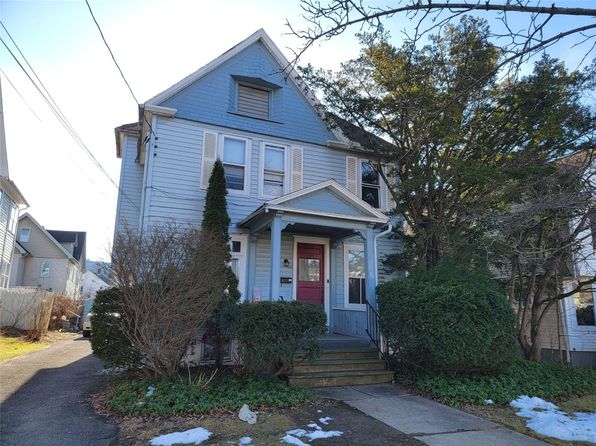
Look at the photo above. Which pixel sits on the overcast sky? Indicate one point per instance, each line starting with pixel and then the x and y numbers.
pixel 156 43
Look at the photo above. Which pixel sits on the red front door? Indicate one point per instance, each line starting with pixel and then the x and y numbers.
pixel 311 281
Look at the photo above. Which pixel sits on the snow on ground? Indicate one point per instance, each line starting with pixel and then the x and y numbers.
pixel 245 441
pixel 294 436
pixel 191 436
pixel 546 419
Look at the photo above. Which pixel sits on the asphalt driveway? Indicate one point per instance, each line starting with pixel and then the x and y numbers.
pixel 44 398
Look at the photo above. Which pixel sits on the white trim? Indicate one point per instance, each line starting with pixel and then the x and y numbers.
pixel 290 72
pixel 247 159
pixel 261 174
pixel 162 111
pixel 242 262
pixel 347 304
pixel 327 268
pixel 325 214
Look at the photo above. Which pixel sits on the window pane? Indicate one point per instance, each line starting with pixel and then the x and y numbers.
pixel 234 177
pixel 236 246
pixel 45 269
pixel 355 263
pixel 274 159
pixel 354 291
pixel 234 151
pixel 369 174
pixel 310 270
pixel 371 195
pixel 273 189
pixel 584 308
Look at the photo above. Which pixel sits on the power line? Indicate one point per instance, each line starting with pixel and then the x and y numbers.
pixel 117 65
pixel 20 95
pixel 62 118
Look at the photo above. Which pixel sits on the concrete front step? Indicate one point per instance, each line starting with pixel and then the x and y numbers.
pixel 339 365
pixel 349 354
pixel 344 378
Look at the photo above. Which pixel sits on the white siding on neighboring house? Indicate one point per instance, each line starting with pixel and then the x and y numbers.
pixel 131 187
pixel 8 216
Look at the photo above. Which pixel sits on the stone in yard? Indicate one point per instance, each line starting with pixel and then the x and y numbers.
pixel 247 415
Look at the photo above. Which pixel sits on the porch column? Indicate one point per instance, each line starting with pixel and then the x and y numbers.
pixel 332 281
pixel 276 228
pixel 370 266
pixel 252 265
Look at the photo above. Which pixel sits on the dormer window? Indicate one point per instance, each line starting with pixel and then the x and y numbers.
pixel 253 101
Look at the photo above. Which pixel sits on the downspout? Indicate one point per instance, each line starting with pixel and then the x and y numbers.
pixel 380 234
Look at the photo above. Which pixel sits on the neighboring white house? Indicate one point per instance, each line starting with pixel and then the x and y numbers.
pixel 569 331
pixel 11 202
pixel 90 285
pixel 49 259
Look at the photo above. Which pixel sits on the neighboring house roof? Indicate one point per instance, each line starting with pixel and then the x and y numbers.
pixel 77 238
pixel 8 186
pixel 365 139
pixel 21 249
pixel 49 237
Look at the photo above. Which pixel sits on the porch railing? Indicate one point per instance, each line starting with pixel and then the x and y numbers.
pixel 374 331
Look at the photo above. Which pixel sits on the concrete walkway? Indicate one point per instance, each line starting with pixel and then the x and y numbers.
pixel 428 421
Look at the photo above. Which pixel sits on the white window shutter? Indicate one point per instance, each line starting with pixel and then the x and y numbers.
pixel 209 157
pixel 352 174
pixel 297 168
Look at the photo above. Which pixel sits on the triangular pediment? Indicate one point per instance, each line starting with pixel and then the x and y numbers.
pixel 328 198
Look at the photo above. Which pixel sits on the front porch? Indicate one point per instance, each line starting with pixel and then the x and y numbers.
pixel 316 245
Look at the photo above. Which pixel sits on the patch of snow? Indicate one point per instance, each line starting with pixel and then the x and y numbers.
pixel 546 419
pixel 191 436
pixel 297 432
pixel 325 420
pixel 489 402
pixel 319 411
pixel 315 435
pixel 150 391
pixel 290 439
pixel 245 441
pixel 314 426
pixel 247 415
pixel 112 371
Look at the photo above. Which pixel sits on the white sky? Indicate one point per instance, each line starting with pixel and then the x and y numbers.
pixel 156 43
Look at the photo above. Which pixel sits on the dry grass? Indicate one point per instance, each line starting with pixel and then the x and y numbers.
pixel 14 343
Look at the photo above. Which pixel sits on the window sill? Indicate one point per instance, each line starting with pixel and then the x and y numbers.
pixel 244 115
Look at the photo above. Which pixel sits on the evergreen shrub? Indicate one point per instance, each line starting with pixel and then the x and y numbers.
pixel 108 341
pixel 271 335
pixel 449 320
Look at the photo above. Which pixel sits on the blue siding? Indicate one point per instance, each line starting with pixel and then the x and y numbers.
pixel 325 201
pixel 211 100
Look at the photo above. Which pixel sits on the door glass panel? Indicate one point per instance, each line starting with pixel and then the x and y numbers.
pixel 309 270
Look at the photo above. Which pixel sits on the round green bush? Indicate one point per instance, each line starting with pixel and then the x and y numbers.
pixel 448 320
pixel 271 335
pixel 108 342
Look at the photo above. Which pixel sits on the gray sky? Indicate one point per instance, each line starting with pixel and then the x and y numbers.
pixel 156 43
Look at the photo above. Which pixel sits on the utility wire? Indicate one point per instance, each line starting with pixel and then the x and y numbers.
pixel 62 119
pixel 20 95
pixel 117 65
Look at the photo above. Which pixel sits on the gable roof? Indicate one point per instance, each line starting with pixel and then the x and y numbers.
pixel 49 236
pixel 77 238
pixel 284 203
pixel 258 36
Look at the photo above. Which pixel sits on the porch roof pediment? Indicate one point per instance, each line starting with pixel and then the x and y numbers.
pixel 327 199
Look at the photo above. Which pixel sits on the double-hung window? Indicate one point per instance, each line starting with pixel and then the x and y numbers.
pixel 370 184
pixel 274 170
pixel 584 308
pixel 45 269
pixel 355 274
pixel 234 162
pixel 24 235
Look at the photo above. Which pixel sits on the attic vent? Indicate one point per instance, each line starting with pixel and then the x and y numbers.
pixel 253 101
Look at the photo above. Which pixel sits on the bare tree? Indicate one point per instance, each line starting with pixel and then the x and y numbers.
pixel 325 20
pixel 547 235
pixel 169 288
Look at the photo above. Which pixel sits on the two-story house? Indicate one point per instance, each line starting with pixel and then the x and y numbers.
pixel 49 259
pixel 11 202
pixel 309 210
